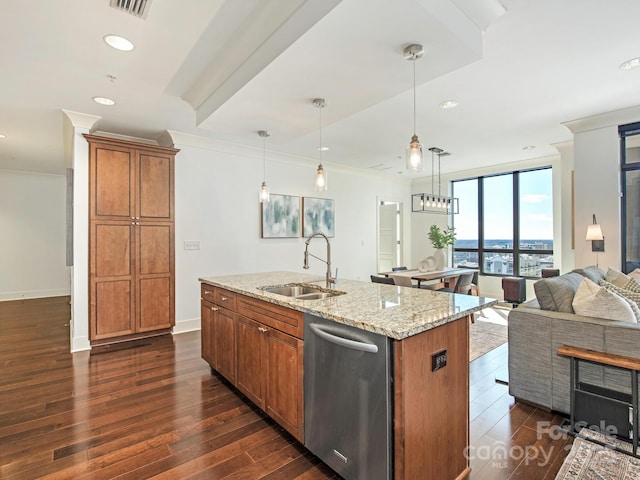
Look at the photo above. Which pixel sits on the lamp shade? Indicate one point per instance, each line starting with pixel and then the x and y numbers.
pixel 594 232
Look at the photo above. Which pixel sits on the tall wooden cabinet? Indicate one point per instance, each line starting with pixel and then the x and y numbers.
pixel 131 239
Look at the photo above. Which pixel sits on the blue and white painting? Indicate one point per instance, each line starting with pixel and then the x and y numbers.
pixel 281 217
pixel 319 216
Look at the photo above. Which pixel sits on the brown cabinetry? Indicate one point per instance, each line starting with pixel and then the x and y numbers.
pixel 258 347
pixel 218 330
pixel 131 239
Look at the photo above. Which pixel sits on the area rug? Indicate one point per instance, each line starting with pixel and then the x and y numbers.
pixel 590 461
pixel 488 332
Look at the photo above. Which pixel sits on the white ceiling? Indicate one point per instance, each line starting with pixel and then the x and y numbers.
pixel 228 68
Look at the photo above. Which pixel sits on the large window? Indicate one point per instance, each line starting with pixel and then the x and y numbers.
pixel 630 173
pixel 505 224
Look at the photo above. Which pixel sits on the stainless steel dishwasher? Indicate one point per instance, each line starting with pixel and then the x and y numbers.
pixel 347 407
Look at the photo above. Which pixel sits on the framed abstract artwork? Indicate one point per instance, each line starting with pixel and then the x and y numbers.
pixel 318 216
pixel 281 217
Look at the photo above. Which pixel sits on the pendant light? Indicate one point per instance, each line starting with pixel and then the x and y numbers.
pixel 264 189
pixel 321 174
pixel 414 150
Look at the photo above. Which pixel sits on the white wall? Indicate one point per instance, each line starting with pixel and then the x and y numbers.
pixel 32 244
pixel 596 147
pixel 217 204
pixel 597 191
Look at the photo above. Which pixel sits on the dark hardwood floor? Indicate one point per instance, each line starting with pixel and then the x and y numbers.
pixel 151 408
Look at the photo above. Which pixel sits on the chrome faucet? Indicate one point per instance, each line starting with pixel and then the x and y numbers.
pixel 330 280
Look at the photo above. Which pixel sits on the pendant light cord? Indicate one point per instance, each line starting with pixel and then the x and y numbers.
pixel 320 130
pixel 264 158
pixel 414 95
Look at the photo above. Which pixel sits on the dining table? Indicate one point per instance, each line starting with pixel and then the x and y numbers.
pixel 450 273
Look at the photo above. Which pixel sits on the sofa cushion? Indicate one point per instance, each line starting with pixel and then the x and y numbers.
pixel 556 293
pixel 592 300
pixel 593 273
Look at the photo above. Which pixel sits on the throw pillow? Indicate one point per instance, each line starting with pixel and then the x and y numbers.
pixel 635 274
pixel 633 298
pixel 623 292
pixel 593 273
pixel 556 293
pixel 619 279
pixel 592 300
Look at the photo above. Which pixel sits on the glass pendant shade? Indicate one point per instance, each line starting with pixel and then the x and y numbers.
pixel 264 193
pixel 414 155
pixel 321 179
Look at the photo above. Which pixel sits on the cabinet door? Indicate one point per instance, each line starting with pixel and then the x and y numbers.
pixel 284 399
pixel 224 327
pixel 111 286
pixel 155 193
pixel 206 332
pixel 111 173
pixel 252 360
pixel 155 265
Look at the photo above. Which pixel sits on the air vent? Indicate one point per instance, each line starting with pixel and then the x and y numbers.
pixel 138 8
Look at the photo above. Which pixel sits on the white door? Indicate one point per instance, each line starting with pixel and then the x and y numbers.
pixel 388 231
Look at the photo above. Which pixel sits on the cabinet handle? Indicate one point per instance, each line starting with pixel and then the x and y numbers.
pixel 208 292
pixel 215 309
pixel 224 299
pixel 262 329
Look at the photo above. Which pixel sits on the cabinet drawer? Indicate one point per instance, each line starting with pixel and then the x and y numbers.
pixel 225 298
pixel 281 318
pixel 207 292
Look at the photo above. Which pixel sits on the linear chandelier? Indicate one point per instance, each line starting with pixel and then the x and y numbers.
pixel 435 202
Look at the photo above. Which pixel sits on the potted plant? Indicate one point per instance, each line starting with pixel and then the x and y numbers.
pixel 441 239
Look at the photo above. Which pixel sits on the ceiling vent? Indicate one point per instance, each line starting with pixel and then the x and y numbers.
pixel 138 8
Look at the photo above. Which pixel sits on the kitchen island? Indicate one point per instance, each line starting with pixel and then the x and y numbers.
pixel 255 339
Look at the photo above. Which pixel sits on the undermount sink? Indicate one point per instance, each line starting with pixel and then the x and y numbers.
pixel 302 292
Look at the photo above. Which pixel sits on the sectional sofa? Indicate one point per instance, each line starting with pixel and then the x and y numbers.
pixel 537 375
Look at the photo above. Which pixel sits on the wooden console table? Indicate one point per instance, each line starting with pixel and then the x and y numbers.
pixel 584 393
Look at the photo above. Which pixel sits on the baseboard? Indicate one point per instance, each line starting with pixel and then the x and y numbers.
pixel 80 344
pixel 61 292
pixel 183 326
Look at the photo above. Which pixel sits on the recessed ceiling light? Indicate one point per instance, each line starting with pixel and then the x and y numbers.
pixel 2 136
pixel 630 64
pixel 529 147
pixel 449 104
pixel 104 101
pixel 119 43
pixel 323 149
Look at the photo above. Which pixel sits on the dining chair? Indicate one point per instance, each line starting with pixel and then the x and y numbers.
pixel 475 288
pixel 464 283
pixel 387 280
pixel 402 280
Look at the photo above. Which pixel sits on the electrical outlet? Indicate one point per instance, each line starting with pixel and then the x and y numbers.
pixel 192 245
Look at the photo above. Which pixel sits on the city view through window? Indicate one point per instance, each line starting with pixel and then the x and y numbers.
pixel 505 224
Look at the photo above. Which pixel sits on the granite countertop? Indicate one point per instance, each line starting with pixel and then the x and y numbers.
pixel 393 311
